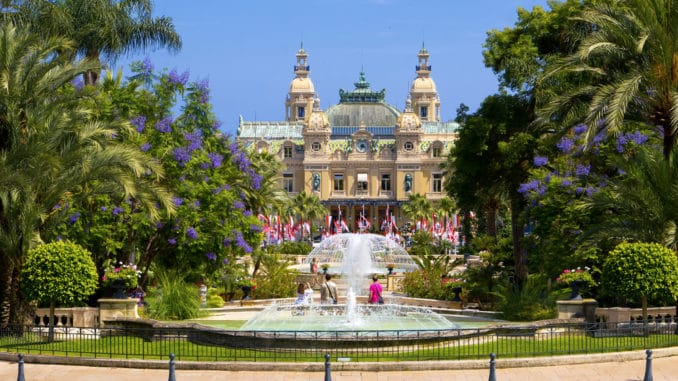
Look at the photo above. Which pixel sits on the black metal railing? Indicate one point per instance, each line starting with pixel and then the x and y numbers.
pixel 198 343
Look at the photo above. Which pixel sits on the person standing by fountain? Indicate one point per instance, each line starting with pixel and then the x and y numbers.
pixel 308 294
pixel 375 291
pixel 328 291
pixel 301 297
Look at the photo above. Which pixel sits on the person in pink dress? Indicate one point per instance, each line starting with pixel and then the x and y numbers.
pixel 375 292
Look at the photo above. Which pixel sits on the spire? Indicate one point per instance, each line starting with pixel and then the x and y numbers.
pixel 423 68
pixel 302 68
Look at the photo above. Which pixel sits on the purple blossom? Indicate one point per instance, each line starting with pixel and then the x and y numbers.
pixel 256 181
pixel 103 208
pixel 255 228
pixel 580 129
pixel 565 144
pixel 147 67
pixel 73 218
pixel 211 256
pixel 637 137
pixel 239 205
pixel 529 186
pixel 217 124
pixel 139 122
pixel 540 161
pixel 196 203
pixel 191 233
pixel 164 125
pixel 599 138
pixel 202 88
pixel 204 165
pixel 216 159
pixel 172 241
pixel 247 213
pixel 226 241
pixel 159 225
pixel 182 155
pixel 566 183
pixel 226 261
pixel 241 243
pixel 145 147
pixel 179 79
pixel 178 201
pixel 579 190
pixel 194 140
pixel 117 210
pixel 621 143
pixel 582 170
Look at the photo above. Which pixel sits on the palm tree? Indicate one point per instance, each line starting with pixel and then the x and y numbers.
pixel 642 204
pixel 309 208
pixel 108 28
pixel 54 150
pixel 417 207
pixel 630 64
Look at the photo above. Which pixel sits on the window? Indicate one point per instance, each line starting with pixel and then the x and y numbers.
pixel 437 182
pixel 338 182
pixel 408 146
pixel 288 182
pixel 437 151
pixel 300 112
pixel 386 182
pixel 287 152
pixel 423 111
pixel 315 146
pixel 362 182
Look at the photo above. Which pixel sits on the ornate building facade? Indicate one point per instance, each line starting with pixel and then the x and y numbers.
pixel 362 157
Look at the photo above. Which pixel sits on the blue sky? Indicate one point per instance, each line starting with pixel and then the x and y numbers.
pixel 246 49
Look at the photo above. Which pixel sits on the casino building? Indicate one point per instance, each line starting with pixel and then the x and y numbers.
pixel 361 156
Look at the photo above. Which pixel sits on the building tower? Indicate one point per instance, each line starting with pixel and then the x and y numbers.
pixel 425 99
pixel 299 102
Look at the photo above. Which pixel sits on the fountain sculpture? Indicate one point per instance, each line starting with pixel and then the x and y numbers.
pixel 355 257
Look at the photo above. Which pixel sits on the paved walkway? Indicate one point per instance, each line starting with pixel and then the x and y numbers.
pixel 663 368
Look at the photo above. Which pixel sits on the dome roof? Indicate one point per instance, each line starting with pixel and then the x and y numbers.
pixel 423 84
pixel 356 114
pixel 301 85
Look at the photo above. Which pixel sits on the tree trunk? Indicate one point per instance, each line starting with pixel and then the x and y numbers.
pixel 517 233
pixel 6 270
pixel 50 335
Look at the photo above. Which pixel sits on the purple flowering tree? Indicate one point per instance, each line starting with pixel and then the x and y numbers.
pixel 560 193
pixel 211 223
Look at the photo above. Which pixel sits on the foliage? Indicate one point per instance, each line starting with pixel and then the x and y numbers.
pixel 60 273
pixel 213 298
pixel 211 180
pixel 431 281
pixel 128 274
pixel 532 301
pixel 291 247
pixel 276 279
pixel 636 270
pixel 172 298
pixel 627 60
pixel 570 275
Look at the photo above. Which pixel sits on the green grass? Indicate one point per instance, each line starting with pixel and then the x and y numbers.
pixel 127 347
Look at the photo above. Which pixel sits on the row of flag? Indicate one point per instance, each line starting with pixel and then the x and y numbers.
pixel 277 230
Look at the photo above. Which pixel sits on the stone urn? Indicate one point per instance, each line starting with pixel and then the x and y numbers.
pixel 457 293
pixel 576 286
pixel 246 290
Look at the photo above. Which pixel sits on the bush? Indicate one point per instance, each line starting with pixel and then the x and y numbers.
pixel 275 279
pixel 59 273
pixel 532 301
pixel 289 247
pixel 213 298
pixel 173 298
pixel 634 271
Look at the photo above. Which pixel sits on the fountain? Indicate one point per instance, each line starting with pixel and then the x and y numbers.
pixel 356 256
